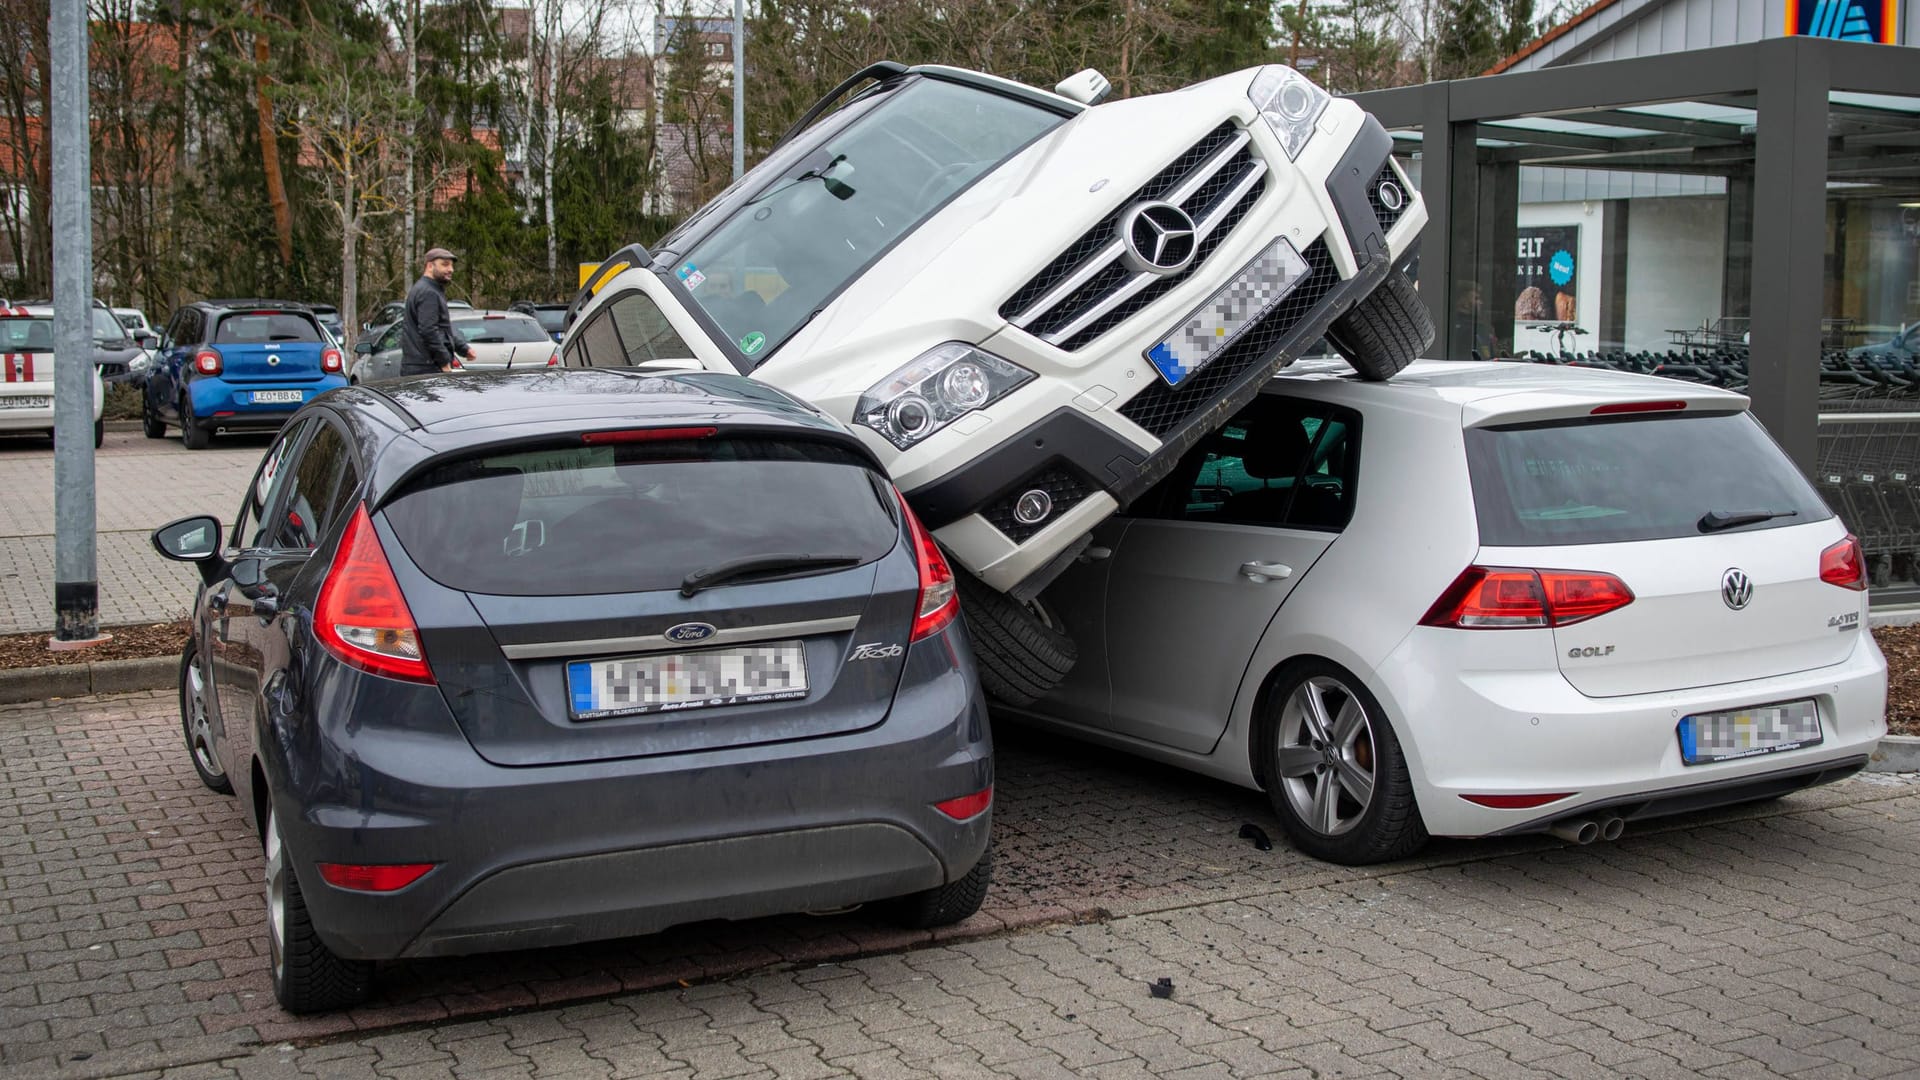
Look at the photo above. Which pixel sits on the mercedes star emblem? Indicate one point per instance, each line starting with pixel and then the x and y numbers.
pixel 1736 588
pixel 1158 238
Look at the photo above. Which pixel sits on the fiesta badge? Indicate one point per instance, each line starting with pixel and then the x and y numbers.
pixel 689 632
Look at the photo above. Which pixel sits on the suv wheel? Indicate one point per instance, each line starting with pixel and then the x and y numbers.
pixel 1334 770
pixel 307 976
pixel 1386 331
pixel 944 905
pixel 192 435
pixel 1021 650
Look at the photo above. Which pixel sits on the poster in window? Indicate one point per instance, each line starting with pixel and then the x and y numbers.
pixel 1844 20
pixel 1547 283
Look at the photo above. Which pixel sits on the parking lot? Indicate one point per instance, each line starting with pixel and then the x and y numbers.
pixel 139 483
pixel 1778 939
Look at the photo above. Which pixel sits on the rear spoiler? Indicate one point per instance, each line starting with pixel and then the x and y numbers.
pixel 627 257
pixel 1548 406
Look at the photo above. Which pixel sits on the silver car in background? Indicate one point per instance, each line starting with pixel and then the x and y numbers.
pixel 501 340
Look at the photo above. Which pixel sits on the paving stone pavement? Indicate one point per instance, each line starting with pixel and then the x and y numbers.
pixel 139 483
pixel 1771 940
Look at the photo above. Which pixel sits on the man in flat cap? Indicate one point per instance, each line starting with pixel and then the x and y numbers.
pixel 428 342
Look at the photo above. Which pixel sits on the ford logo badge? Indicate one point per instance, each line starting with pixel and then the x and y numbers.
pixel 690 631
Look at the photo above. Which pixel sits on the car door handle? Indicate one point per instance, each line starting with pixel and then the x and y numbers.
pixel 1262 572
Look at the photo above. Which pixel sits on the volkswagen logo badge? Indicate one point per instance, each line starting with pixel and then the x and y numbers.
pixel 688 632
pixel 1736 588
pixel 1157 238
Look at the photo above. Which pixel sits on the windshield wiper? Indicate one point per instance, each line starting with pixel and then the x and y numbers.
pixel 1716 520
pixel 776 563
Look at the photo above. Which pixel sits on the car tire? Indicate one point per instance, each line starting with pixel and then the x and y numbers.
pixel 308 977
pixel 194 725
pixel 944 905
pixel 1021 652
pixel 1320 736
pixel 1384 332
pixel 192 435
pixel 152 426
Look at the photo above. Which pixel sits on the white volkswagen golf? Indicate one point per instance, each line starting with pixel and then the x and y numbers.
pixel 1479 599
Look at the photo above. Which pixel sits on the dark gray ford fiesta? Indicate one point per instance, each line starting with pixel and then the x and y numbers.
pixel 513 660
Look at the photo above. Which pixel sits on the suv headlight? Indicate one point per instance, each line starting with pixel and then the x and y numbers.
pixel 940 386
pixel 1290 104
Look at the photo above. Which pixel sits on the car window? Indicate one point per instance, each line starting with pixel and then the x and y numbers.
pixel 191 322
pixel 501 331
pixel 258 327
pixel 315 493
pixel 389 338
pixel 1608 480
pixel 248 531
pixel 629 330
pixel 1278 463
pixel 552 320
pixel 26 334
pixel 106 328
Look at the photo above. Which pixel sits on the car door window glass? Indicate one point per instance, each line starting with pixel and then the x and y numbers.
pixel 1275 464
pixel 248 525
pixel 390 339
pixel 600 343
pixel 313 492
pixel 645 333
pixel 1323 495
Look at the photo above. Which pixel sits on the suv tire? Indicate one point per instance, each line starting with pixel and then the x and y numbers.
pixel 944 905
pixel 192 435
pixel 1022 655
pixel 1386 331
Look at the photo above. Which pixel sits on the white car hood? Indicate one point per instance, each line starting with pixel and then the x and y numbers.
pixel 970 257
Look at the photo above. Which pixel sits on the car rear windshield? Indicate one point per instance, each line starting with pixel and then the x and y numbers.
pixel 501 331
pixel 636 517
pixel 552 320
pixel 26 334
pixel 252 328
pixel 792 247
pixel 1645 478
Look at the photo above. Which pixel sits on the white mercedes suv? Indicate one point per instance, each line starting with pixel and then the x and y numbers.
pixel 1028 303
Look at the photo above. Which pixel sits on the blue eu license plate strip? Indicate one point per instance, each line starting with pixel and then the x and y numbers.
pixel 1229 313
pixel 1740 733
pixel 667 682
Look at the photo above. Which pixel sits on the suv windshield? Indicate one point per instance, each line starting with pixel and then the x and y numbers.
pixel 1606 481
pixel 762 274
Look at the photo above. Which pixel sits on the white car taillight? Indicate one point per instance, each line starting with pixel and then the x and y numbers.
pixel 361 616
pixel 940 386
pixel 1515 598
pixel 1289 103
pixel 1844 564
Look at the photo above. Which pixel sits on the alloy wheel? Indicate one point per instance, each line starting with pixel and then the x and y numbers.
pixel 1325 755
pixel 276 897
pixel 193 692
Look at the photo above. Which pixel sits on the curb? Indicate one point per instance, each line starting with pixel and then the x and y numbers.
pixel 122 425
pixel 79 680
pixel 1896 753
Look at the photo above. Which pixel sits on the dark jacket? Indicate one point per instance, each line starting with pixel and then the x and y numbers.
pixel 428 341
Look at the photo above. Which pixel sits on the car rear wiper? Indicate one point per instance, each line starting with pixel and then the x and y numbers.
pixel 1716 520
pixel 777 563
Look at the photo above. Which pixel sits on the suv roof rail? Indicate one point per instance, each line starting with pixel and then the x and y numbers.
pixel 879 71
pixel 631 255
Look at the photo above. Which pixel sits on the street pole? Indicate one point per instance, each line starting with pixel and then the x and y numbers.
pixel 739 88
pixel 76 587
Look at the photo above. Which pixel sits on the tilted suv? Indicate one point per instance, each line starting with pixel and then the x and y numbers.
pixel 1030 306
pixel 463 720
pixel 237 365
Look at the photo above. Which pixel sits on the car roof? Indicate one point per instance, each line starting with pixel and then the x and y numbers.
pixel 417 420
pixel 1483 390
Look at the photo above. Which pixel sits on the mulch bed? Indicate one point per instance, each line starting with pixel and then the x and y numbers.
pixel 1900 643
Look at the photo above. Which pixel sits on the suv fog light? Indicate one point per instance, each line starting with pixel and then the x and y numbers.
pixel 1033 507
pixel 1391 196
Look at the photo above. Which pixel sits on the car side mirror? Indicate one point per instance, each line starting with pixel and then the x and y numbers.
pixel 363 348
pixel 194 540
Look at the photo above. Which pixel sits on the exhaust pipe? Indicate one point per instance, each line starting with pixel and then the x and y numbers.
pixel 1611 828
pixel 1581 831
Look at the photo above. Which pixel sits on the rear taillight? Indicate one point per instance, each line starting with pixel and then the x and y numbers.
pixel 1844 564
pixel 1509 598
pixel 207 362
pixel 330 361
pixel 361 617
pixel 638 435
pixel 554 360
pixel 1517 802
pixel 967 806
pixel 390 877
pixel 939 595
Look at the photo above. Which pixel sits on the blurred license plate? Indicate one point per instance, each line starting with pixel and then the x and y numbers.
pixel 36 402
pixel 278 397
pixel 1227 314
pixel 1763 729
pixel 769 671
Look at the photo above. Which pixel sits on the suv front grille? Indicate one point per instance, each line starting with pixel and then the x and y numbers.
pixel 1162 409
pixel 1065 487
pixel 1089 289
pixel 1385 215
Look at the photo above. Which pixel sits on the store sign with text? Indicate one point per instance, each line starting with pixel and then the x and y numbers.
pixel 1546 284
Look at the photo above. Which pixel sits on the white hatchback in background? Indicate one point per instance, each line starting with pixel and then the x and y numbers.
pixel 26 374
pixel 1479 599
pixel 501 340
